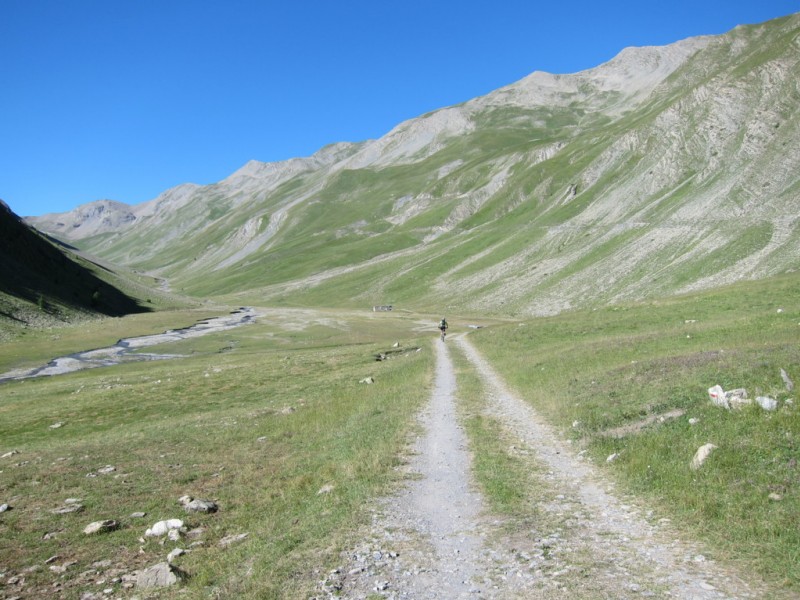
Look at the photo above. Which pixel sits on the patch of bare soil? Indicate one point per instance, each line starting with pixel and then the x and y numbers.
pixel 436 539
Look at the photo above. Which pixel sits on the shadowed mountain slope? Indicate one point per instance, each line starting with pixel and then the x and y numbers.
pixel 40 281
pixel 667 169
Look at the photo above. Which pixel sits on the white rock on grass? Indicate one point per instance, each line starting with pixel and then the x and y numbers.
pixel 164 527
pixel 612 457
pixel 767 403
pixel 702 454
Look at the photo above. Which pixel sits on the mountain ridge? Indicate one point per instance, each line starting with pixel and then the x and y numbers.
pixel 666 169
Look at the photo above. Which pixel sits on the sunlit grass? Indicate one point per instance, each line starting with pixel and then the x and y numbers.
pixel 599 376
pixel 260 429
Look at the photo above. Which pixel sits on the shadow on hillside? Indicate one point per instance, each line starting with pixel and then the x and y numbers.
pixel 34 270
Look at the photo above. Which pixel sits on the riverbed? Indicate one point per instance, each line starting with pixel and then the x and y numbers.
pixel 128 349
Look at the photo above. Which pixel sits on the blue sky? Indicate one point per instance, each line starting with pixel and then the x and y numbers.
pixel 124 99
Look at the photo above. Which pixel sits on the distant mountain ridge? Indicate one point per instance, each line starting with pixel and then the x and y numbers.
pixel 664 170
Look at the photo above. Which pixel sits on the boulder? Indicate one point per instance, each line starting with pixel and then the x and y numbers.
pixel 163 527
pixel 160 575
pixel 101 527
pixel 198 505
pixel 703 452
pixel 68 509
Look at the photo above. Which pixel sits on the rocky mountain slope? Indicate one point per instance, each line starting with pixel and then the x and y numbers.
pixel 665 170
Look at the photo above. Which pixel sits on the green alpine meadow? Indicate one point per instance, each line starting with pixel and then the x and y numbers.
pixel 615 242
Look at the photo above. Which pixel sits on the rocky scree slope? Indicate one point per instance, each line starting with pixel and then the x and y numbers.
pixel 665 170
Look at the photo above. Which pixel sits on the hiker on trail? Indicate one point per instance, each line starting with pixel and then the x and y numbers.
pixel 443 326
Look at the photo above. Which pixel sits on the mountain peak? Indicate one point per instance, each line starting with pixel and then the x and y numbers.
pixel 634 72
pixel 100 216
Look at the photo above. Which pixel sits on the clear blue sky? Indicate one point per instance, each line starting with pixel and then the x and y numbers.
pixel 123 99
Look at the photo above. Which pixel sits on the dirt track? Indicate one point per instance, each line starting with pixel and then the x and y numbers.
pixel 435 539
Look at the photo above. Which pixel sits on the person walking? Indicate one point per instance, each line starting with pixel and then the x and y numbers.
pixel 443 327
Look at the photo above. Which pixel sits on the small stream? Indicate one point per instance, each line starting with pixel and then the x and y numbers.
pixel 127 349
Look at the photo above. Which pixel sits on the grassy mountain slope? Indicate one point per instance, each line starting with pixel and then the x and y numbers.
pixel 664 170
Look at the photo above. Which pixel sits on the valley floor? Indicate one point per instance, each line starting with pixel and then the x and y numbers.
pixel 438 539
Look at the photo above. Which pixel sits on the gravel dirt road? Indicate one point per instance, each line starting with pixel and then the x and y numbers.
pixel 436 539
